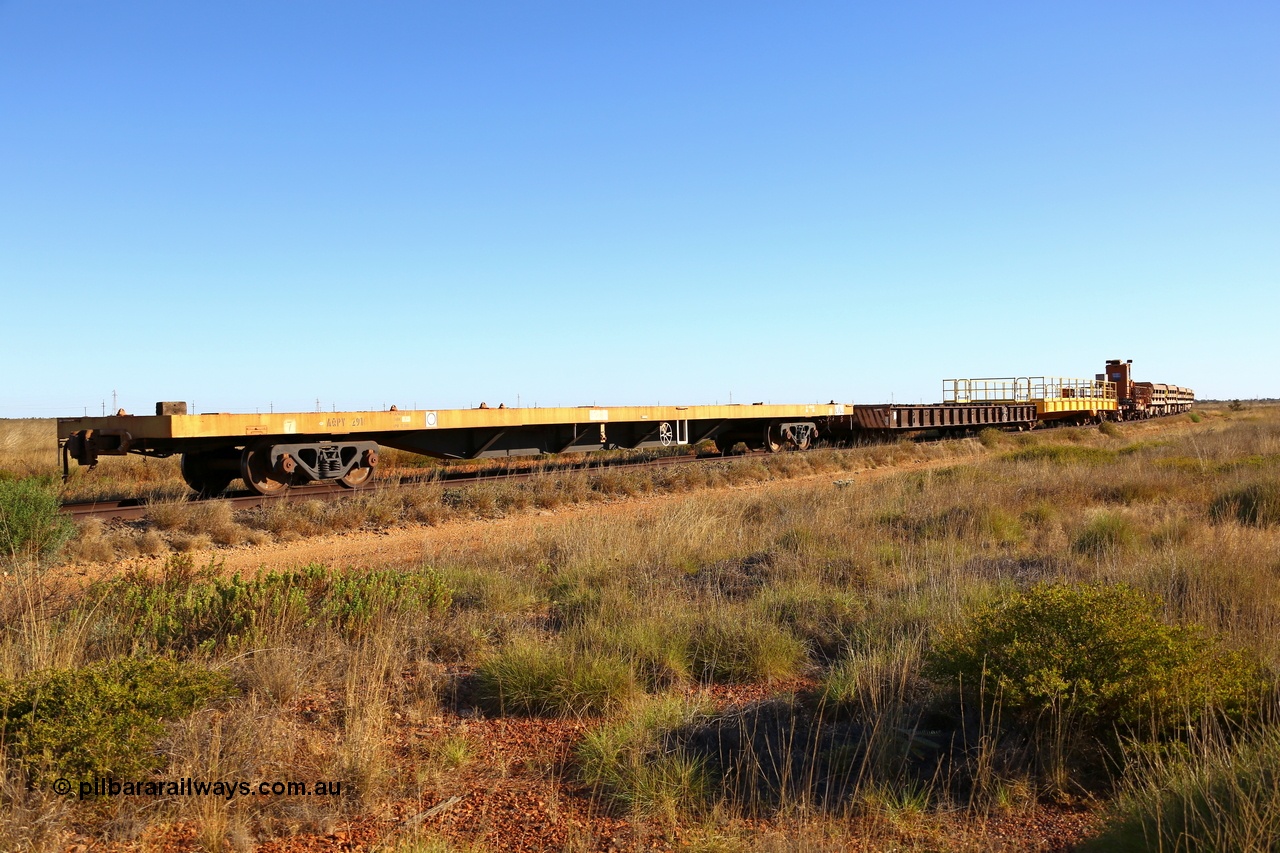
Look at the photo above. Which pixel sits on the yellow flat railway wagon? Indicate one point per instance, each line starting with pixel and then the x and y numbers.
pixel 272 452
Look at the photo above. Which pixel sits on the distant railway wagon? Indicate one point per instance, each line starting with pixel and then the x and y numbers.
pixel 1145 399
pixel 272 452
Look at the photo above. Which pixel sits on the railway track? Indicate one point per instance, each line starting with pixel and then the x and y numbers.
pixel 132 509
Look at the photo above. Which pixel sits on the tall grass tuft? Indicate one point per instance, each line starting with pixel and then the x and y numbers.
pixel 728 647
pixel 1223 794
pixel 1108 533
pixel 539 678
pixel 629 764
pixel 1257 504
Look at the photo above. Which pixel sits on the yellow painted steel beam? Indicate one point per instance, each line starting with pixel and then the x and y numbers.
pixel 142 427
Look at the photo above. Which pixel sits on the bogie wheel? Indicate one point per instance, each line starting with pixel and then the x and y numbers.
pixel 772 439
pixel 805 440
pixel 357 478
pixel 665 434
pixel 199 474
pixel 362 475
pixel 257 472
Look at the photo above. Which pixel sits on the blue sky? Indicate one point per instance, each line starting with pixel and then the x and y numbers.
pixel 246 205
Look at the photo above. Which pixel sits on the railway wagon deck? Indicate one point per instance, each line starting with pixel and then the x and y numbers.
pixel 270 452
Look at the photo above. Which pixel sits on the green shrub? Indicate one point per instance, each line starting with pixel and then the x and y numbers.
pixel 100 720
pixel 1257 504
pixel 529 677
pixel 991 438
pixel 1105 534
pixel 1195 417
pixel 184 609
pixel 1110 430
pixel 1095 652
pixel 32 527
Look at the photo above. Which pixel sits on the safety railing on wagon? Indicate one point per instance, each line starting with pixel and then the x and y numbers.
pixel 1025 389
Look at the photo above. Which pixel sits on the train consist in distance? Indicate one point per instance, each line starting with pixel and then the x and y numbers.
pixel 273 452
pixel 1145 399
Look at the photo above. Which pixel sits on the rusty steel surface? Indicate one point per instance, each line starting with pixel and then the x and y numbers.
pixel 1146 399
pixel 943 416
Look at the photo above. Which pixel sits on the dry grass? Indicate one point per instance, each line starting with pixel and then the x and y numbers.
pixel 832 587
pixel 176 524
pixel 29 448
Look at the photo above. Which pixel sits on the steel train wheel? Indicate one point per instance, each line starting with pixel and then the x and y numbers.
pixel 772 439
pixel 357 478
pixel 200 476
pixel 665 434
pixel 258 474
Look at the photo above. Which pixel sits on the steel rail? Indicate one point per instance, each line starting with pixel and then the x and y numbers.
pixel 132 509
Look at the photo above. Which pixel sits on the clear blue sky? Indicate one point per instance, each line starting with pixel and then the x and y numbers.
pixel 253 204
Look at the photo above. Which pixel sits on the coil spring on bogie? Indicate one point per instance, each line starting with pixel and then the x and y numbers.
pixel 329 462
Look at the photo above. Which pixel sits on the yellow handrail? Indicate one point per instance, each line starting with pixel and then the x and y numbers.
pixel 1025 388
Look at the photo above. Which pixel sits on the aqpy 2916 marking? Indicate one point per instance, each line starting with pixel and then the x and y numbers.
pixel 335 424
